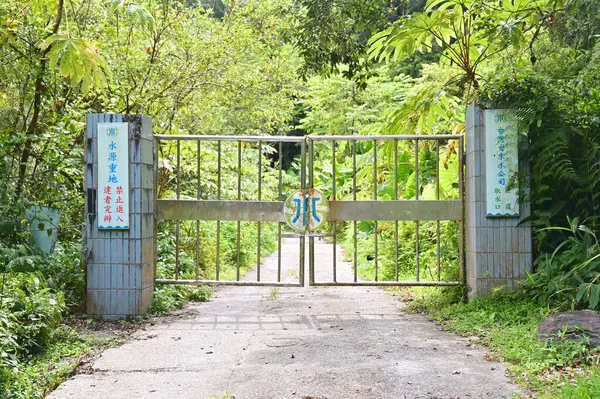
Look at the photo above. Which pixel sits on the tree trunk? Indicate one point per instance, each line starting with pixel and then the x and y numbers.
pixel 32 128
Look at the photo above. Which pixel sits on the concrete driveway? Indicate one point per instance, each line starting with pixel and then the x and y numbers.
pixel 319 343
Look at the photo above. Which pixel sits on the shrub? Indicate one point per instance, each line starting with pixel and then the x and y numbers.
pixel 29 313
pixel 62 270
pixel 569 276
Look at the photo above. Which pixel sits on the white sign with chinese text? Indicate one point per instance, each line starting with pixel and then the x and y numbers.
pixel 113 176
pixel 501 163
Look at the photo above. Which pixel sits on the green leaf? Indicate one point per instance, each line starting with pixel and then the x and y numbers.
pixel 116 4
pixel 573 224
pixel 77 59
pixel 141 15
pixel 516 36
pixel 432 4
pixel 50 40
pixel 581 291
pixel 366 227
pixel 586 230
pixel 594 296
pixel 66 65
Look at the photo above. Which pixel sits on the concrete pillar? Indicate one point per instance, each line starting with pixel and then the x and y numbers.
pixel 498 250
pixel 120 263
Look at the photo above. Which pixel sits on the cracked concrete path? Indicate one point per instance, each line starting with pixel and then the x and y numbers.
pixel 319 343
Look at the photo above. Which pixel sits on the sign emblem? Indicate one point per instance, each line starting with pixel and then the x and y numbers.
pixel 305 210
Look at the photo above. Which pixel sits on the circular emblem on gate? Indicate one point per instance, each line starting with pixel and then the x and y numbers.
pixel 305 210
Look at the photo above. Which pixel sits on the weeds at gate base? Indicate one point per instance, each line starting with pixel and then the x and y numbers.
pixel 293 273
pixel 228 395
pixel 171 297
pixel 274 292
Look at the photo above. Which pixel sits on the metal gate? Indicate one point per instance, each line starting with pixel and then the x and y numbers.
pixel 209 195
pixel 352 210
pixel 243 157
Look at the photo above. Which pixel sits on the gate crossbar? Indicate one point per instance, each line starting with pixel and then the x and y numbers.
pixel 347 211
pixel 232 210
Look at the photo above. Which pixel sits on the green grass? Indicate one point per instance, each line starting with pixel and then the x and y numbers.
pixel 584 388
pixel 42 373
pixel 273 293
pixel 506 324
pixel 228 395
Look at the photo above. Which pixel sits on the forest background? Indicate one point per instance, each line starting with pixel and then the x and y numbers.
pixel 279 67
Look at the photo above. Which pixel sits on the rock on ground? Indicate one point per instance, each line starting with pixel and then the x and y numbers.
pixel 575 325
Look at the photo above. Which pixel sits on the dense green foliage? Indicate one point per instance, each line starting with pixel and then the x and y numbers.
pixel 36 292
pixel 539 61
pixel 568 278
pixel 332 36
pixel 335 107
pixel 29 316
pixel 341 67
pixel 41 374
pixel 192 70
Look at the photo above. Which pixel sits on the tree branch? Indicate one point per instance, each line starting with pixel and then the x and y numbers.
pixel 32 129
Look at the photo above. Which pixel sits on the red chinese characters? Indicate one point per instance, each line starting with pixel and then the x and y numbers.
pixel 113 194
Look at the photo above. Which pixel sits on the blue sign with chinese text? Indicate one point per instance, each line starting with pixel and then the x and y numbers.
pixel 501 163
